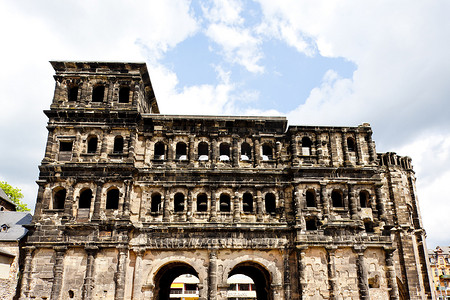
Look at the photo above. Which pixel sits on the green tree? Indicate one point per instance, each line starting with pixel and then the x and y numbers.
pixel 15 195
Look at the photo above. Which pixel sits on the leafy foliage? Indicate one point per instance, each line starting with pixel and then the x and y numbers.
pixel 15 194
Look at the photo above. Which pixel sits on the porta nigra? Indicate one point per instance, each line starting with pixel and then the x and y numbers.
pixel 129 199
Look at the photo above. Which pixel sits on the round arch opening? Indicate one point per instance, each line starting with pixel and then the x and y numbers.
pixel 260 276
pixel 165 277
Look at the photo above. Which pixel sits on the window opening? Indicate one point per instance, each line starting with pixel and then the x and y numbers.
pixel 311 224
pixel 246 151
pixel 124 94
pixel 65 146
pixel 118 144
pixel 267 152
pixel 112 199
pixel 92 144
pixel 202 202
pixel 270 203
pixel 351 144
pixel 336 197
pixel 73 93
pixel 156 203
pixel 59 198
pixel 85 199
pixel 179 202
pixel 203 151
pixel 224 152
pixel 368 226
pixel 310 199
pixel 306 146
pixel 98 93
pixel 159 150
pixel 181 151
pixel 224 203
pixel 364 199
pixel 247 203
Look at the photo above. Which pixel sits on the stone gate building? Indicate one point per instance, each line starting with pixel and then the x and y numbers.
pixel 129 199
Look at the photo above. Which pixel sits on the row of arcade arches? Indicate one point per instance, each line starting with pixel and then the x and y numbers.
pixel 259 277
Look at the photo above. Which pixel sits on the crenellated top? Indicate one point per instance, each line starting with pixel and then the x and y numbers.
pixel 391 159
pixel 103 85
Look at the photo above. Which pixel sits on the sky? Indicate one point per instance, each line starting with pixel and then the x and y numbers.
pixel 316 62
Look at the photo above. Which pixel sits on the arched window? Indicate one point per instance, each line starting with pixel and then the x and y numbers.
pixel 224 152
pixel 85 199
pixel 178 202
pixel 118 144
pixel 246 151
pixel 59 198
pixel 364 199
pixel 202 202
pixel 270 203
pixel 156 203
pixel 73 93
pixel 98 93
pixel 337 198
pixel 112 199
pixel 224 203
pixel 306 146
pixel 159 150
pixel 124 94
pixel 247 203
pixel 92 144
pixel 267 152
pixel 310 198
pixel 203 152
pixel 351 144
pixel 181 151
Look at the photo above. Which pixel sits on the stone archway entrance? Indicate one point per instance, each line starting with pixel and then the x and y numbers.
pixel 260 276
pixel 165 276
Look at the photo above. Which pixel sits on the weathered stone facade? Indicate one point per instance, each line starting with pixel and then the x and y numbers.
pixel 129 199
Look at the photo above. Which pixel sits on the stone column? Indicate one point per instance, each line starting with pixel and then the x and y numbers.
pixel 166 206
pixel 68 203
pixel 213 208
pixel 104 147
pixel 380 203
pixel 49 147
pixel 58 268
pixel 352 202
pixel 88 283
pixel 301 271
pixel 333 289
pixel 278 148
pixel 390 274
pixel 359 160
pixel 363 283
pixel 214 152
pixel 120 274
pixel 287 274
pixel 345 150
pixel 39 200
pixel 212 275
pixel 97 201
pixel 138 275
pixel 132 147
pixel 282 205
pixel 294 150
pixel 259 206
pixel 371 147
pixel 190 207
pixel 298 205
pixel 332 151
pixel 257 151
pixel 127 199
pixel 235 152
pixel 191 154
pixel 236 208
pixel 324 200
pixel 26 278
pixel 170 150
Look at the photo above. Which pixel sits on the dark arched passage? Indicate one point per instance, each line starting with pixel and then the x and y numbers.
pixel 260 276
pixel 165 276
